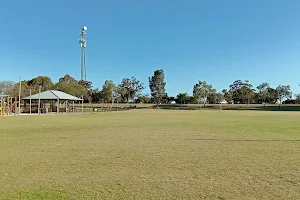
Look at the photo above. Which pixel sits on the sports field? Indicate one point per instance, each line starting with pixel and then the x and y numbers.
pixel 151 154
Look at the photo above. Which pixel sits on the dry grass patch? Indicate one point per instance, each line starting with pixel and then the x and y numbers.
pixel 151 154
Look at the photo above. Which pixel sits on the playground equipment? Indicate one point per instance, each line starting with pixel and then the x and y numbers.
pixel 6 105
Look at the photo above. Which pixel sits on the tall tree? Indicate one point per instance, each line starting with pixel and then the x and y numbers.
pixel 171 98
pixel 14 91
pixel 219 99
pixel 165 98
pixel 283 91
pixel 241 91
pixel 263 91
pixel 95 95
pixel 202 90
pixel 44 81
pixel 86 84
pixel 6 86
pixel 135 88
pixel 107 90
pixel 71 88
pixel 123 89
pixel 191 100
pixel 143 98
pixel 122 92
pixel 182 98
pixel 68 79
pixel 212 97
pixel 70 85
pixel 130 88
pixel 157 85
pixel 90 95
pixel 246 93
pixel 271 95
pixel 297 100
pixel 227 95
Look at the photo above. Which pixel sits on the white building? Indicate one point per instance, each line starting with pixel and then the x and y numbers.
pixel 202 100
pixel 172 102
pixel 223 102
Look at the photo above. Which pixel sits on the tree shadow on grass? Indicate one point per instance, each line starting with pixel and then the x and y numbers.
pixel 186 107
pixel 265 108
pixel 243 140
pixel 175 107
pixel 227 107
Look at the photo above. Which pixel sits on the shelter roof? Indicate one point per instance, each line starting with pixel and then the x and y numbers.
pixel 52 95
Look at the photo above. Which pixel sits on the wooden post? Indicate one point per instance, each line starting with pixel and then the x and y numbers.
pixel 1 107
pixel 112 99
pixel 73 107
pixel 82 105
pixel 15 105
pixel 30 101
pixel 11 105
pixel 19 110
pixel 66 106
pixel 39 106
pixel 58 106
pixel 8 105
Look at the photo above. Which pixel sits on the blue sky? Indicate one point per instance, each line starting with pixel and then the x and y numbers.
pixel 214 40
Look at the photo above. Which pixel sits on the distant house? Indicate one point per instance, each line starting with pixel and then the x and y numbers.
pixel 172 102
pixel 202 100
pixel 223 102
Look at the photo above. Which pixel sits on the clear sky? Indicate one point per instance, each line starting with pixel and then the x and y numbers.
pixel 214 40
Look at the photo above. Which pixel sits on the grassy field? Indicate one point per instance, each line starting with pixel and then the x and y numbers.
pixel 258 107
pixel 151 154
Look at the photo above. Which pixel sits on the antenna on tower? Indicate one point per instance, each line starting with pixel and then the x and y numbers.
pixel 82 42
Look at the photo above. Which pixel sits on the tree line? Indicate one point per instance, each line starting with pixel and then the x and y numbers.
pixel 131 90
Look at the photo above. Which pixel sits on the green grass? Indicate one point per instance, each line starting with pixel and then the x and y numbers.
pixel 151 154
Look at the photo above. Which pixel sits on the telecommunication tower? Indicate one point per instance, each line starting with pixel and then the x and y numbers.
pixel 82 42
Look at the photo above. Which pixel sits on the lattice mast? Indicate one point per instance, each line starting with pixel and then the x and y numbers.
pixel 82 42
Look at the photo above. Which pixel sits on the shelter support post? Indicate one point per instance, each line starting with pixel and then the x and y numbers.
pixel 10 105
pixel 82 105
pixel 39 106
pixel 15 105
pixel 1 107
pixel 57 106
pixel 30 101
pixel 65 105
